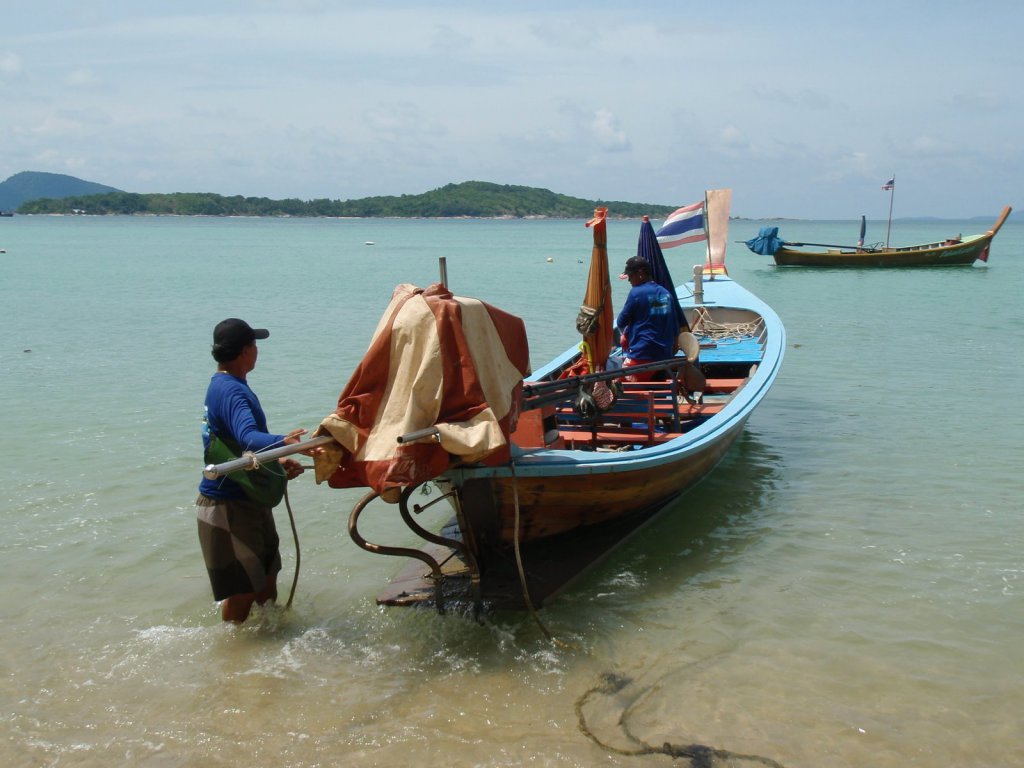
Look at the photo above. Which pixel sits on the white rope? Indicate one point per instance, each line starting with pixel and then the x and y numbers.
pixel 706 327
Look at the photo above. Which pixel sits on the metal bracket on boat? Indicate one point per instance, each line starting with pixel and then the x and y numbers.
pixel 436 573
pixel 380 549
pixel 454 544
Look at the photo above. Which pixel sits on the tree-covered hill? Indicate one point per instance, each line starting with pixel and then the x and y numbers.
pixel 468 199
pixel 33 185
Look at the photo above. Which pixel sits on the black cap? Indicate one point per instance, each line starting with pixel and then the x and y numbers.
pixel 634 264
pixel 231 336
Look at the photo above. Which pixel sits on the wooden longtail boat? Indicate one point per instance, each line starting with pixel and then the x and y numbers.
pixel 544 473
pixel 577 486
pixel 575 474
pixel 956 251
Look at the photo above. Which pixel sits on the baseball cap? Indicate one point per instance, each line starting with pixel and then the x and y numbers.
pixel 634 264
pixel 231 336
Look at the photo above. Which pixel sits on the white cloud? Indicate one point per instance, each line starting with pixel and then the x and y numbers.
pixel 81 78
pixel 57 126
pixel 10 64
pixel 606 130
pixel 296 98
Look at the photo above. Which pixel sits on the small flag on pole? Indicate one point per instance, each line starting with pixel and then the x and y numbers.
pixel 889 184
pixel 684 225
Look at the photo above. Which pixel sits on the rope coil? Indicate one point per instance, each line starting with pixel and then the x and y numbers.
pixel 720 332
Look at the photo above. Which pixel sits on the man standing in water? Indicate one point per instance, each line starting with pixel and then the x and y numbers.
pixel 646 320
pixel 237 533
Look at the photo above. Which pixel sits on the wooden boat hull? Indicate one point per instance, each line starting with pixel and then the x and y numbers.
pixel 593 513
pixel 958 252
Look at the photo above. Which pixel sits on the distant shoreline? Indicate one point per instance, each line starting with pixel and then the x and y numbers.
pixel 531 217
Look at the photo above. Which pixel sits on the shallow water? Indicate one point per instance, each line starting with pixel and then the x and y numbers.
pixel 844 590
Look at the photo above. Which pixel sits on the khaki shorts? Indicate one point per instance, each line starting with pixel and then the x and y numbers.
pixel 240 545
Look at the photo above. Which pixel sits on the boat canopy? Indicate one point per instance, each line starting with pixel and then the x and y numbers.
pixel 435 361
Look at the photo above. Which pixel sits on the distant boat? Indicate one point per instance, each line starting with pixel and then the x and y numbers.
pixel 954 251
pixel 6 213
pixel 369 242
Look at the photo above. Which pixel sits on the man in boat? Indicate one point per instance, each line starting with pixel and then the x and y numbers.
pixel 236 521
pixel 646 321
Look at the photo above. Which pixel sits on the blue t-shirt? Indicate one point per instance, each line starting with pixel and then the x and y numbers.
pixel 648 322
pixel 233 411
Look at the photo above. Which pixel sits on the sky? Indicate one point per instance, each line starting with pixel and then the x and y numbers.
pixel 804 109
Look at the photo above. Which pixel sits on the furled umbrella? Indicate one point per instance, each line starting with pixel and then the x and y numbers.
pixel 648 249
pixel 597 333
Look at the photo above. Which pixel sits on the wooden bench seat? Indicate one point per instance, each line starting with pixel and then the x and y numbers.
pixel 610 436
pixel 640 411
pixel 715 386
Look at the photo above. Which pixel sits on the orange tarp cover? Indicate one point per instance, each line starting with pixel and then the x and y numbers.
pixel 435 360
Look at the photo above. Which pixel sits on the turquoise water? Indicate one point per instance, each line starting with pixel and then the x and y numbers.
pixel 844 590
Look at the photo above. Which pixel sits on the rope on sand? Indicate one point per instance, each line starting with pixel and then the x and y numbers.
pixel 699 755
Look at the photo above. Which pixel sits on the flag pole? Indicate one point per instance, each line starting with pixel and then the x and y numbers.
pixel 892 194
pixel 707 236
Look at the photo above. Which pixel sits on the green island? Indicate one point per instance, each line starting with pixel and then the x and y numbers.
pixel 470 199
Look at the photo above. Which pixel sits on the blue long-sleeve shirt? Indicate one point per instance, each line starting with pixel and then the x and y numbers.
pixel 648 322
pixel 234 411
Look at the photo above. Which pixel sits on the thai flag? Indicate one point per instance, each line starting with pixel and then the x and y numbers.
pixel 685 225
pixel 889 184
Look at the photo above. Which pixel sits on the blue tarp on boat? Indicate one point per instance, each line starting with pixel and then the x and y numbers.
pixel 767 241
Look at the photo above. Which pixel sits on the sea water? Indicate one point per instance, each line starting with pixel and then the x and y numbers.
pixel 844 590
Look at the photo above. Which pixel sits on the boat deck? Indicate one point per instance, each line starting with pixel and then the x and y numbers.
pixel 649 413
pixel 644 414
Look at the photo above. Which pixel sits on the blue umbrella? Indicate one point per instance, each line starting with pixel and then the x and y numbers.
pixel 648 249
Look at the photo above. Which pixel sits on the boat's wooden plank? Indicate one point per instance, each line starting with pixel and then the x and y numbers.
pixel 719 386
pixel 415 583
pixel 747 350
pixel 712 385
pixel 607 436
pixel 641 412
